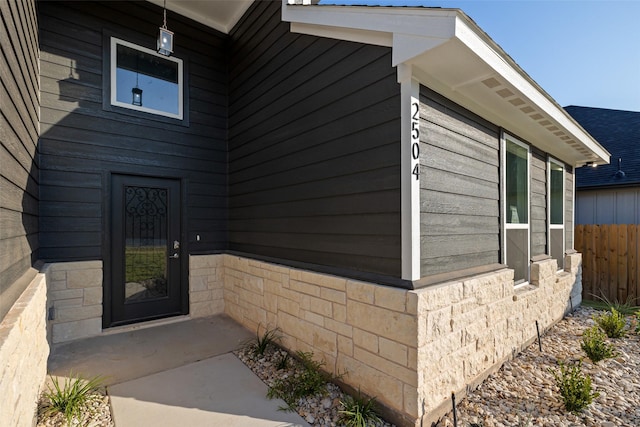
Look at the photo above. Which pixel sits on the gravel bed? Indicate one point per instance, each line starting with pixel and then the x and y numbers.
pixel 318 410
pixel 523 392
pixel 97 415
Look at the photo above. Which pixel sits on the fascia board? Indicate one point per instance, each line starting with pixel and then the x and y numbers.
pixel 438 23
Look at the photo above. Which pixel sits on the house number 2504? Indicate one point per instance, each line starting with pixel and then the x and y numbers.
pixel 415 139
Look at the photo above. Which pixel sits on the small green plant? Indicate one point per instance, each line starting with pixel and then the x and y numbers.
pixel 358 411
pixel 310 380
pixel 613 323
pixel 283 362
pixel 258 346
pixel 627 308
pixel 595 345
pixel 71 398
pixel 575 387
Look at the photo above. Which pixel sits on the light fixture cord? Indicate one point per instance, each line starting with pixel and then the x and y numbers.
pixel 164 22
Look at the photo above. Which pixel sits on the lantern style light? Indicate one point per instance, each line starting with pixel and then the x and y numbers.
pixel 165 37
pixel 136 92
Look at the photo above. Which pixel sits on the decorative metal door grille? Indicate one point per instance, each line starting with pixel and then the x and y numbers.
pixel 145 227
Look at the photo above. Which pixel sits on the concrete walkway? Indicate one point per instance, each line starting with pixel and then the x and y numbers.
pixel 175 374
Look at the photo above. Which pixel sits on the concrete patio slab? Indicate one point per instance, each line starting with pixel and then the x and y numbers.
pixel 132 352
pixel 220 391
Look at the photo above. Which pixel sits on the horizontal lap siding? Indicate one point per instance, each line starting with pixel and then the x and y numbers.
pixel 81 142
pixel 19 104
pixel 313 147
pixel 459 187
pixel 538 202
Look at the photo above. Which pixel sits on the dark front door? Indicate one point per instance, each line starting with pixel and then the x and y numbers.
pixel 145 249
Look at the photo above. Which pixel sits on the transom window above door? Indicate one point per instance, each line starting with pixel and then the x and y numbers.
pixel 144 81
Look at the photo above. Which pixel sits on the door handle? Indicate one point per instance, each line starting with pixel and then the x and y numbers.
pixel 174 256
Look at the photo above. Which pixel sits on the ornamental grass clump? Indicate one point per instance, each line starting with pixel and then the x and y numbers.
pixel 594 343
pixel 613 323
pixel 259 345
pixel 310 380
pixel 72 398
pixel 575 387
pixel 358 411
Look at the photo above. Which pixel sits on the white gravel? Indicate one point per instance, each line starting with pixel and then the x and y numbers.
pixel 523 392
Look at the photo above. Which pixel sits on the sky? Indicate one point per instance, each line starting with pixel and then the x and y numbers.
pixel 582 52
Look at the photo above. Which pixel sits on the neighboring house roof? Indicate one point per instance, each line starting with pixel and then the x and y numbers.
pixel 619 132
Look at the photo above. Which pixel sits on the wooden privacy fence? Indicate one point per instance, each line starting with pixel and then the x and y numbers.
pixel 609 261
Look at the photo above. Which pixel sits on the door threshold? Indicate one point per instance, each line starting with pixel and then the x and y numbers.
pixel 145 325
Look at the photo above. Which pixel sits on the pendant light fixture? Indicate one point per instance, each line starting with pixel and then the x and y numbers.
pixel 165 37
pixel 136 92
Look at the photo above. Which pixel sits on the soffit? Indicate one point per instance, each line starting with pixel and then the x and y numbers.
pixel 221 15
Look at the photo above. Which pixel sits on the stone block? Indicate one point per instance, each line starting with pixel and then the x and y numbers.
pixel 199 296
pixel 438 323
pixel 69 331
pixel 371 381
pixel 314 318
pixel 345 345
pixel 339 313
pixel 393 351
pixel 85 278
pixel 391 298
pixel 323 280
pixel 360 291
pixel 92 296
pixel 411 401
pixel 66 294
pixel 320 306
pixel 304 288
pixel 288 306
pixel 338 327
pixel 387 323
pixel 399 372
pixel 333 295
pixel 60 275
pixel 72 302
pixel 437 297
pixel 542 270
pixel 57 285
pixel 366 340
pixel 72 314
pixel 325 341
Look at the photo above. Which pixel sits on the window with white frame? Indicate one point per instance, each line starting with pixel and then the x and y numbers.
pixel 556 211
pixel 143 80
pixel 516 160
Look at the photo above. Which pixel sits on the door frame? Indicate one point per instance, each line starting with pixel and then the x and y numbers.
pixel 107 179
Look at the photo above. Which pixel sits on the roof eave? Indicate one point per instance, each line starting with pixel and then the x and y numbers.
pixel 450 54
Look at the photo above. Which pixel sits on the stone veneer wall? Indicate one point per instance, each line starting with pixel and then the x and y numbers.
pixel 205 285
pixel 75 296
pixel 408 348
pixel 23 351
pixel 468 328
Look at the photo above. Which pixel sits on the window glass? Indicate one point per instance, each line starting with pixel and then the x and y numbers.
pixel 556 192
pixel 516 185
pixel 145 81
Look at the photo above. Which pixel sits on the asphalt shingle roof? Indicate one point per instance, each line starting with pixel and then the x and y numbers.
pixel 618 132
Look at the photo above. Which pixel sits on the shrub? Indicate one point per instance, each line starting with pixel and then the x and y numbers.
pixel 358 411
pixel 595 345
pixel 71 398
pixel 310 380
pixel 575 387
pixel 612 323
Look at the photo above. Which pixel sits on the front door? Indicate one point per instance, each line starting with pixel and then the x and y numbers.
pixel 145 249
